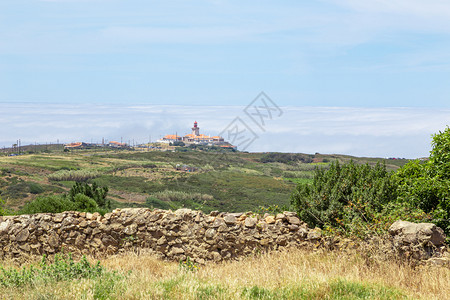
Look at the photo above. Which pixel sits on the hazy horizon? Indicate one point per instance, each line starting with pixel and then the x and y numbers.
pixel 372 132
pixel 365 78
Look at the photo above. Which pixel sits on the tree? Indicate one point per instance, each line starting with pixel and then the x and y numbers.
pixel 98 194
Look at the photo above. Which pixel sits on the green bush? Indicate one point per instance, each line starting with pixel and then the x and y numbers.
pixel 346 197
pixel 426 185
pixel 81 197
pixel 98 194
pixel 48 204
pixel 84 203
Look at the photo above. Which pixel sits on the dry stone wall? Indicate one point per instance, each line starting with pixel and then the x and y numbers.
pixel 171 235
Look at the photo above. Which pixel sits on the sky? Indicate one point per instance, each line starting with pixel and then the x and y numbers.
pixel 337 60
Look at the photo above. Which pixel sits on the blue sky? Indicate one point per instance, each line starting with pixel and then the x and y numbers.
pixel 376 53
pixel 368 78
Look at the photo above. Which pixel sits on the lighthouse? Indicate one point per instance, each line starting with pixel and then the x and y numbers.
pixel 195 129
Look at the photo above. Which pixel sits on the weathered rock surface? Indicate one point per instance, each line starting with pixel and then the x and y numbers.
pixel 173 235
pixel 184 233
pixel 417 240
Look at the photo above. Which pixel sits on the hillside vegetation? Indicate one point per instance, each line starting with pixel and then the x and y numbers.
pixel 231 181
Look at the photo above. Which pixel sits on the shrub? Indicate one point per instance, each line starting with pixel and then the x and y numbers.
pixel 81 197
pixel 345 197
pixel 48 204
pixel 426 185
pixel 84 203
pixel 98 194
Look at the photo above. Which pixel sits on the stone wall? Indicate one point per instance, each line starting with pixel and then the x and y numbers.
pixel 171 235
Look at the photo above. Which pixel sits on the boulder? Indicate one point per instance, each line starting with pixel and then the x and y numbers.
pixel 417 233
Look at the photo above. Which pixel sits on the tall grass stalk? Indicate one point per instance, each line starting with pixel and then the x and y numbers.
pixel 73 175
pixel 294 274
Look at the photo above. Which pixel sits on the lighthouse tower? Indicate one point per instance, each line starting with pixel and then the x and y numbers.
pixel 195 129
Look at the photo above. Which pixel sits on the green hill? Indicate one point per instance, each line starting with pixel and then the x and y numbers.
pixel 206 180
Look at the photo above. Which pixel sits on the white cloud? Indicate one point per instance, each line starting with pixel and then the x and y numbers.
pixel 379 132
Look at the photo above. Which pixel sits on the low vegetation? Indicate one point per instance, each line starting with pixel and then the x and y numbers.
pixel 362 199
pixel 73 175
pixel 81 197
pixel 294 274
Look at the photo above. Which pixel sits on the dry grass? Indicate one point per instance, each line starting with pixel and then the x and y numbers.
pixel 294 274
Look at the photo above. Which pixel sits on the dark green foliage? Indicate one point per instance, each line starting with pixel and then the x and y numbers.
pixel 426 185
pixel 178 143
pixel 48 204
pixel 286 158
pixel 81 197
pixel 98 194
pixel 440 155
pixel 350 192
pixel 84 203
pixel 360 199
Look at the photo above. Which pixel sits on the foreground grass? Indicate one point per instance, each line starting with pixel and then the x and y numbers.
pixel 296 274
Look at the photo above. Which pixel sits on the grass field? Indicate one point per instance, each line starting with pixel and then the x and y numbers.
pixel 294 274
pixel 230 181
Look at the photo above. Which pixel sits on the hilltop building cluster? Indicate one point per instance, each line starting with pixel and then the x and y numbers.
pixel 195 138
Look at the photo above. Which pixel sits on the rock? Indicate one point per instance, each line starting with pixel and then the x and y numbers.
pixel 155 217
pixel 314 234
pixel 53 241
pixel 4 226
pixel 218 222
pixel 294 221
pixel 83 223
pixel 250 222
pixel 131 229
pixel 209 234
pixel 290 214
pixel 177 251
pixel 417 233
pixel 230 219
pixel 162 241
pixel 25 247
pixel 270 219
pixel 237 215
pixel 80 240
pixel 58 218
pixel 23 235
pixel 96 243
pixel 214 213
pixel 281 217
pixel 439 261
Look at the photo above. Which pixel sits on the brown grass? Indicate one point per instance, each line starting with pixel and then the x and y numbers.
pixel 294 274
